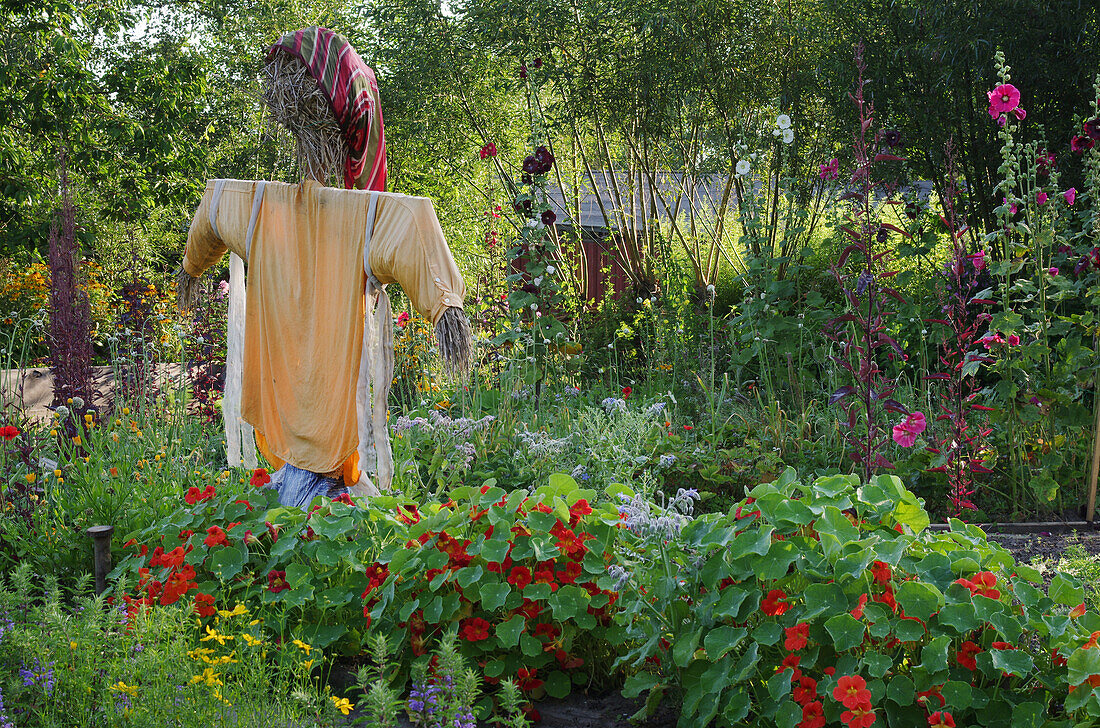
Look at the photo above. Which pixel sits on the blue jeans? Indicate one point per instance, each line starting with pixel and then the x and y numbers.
pixel 299 487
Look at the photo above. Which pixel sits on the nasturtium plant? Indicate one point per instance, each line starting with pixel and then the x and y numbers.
pixel 832 602
pixel 515 573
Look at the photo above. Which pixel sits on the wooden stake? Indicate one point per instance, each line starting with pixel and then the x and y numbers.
pixel 1091 510
pixel 102 536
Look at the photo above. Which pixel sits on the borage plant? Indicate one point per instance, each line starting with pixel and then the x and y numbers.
pixel 862 331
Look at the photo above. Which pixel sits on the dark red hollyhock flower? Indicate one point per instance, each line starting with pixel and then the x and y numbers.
pixel 531 165
pixel 523 207
pixel 1092 128
pixel 548 217
pixel 545 160
pixel 892 137
pixel 1081 144
pixel 523 70
pixel 538 63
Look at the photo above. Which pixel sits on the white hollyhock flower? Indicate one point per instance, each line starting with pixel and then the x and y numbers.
pixel 783 121
pixel 788 136
pixel 743 167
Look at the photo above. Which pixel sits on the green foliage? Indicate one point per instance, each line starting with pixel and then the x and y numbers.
pixel 854 583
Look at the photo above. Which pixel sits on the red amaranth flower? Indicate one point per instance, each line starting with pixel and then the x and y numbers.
pixel 9 432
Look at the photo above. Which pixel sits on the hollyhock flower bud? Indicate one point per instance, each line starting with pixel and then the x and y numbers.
pixel 1041 198
pixel 1070 195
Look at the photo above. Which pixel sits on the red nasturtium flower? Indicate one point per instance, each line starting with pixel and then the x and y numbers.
pixel 805 691
pixel 858 611
pixel 276 581
pixel 215 537
pixel 194 495
pixel 204 605
pixel 941 719
pixel 1078 611
pixel 851 690
pixel 259 478
pixel 881 572
pixel 813 716
pixel 626 392
pixel 526 679
pixel 520 577
pixel 474 629
pixel 966 653
pixel 797 636
pixel 860 716
pixel 773 604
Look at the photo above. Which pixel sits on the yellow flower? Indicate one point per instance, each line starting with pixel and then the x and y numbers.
pixel 212 634
pixel 307 664
pixel 218 694
pixel 72 645
pixel 57 473
pixel 30 477
pixel 237 611
pixel 223 660
pixel 250 640
pixel 303 646
pixel 254 622
pixel 209 677
pixel 342 704
pixel 125 410
pixel 121 687
pixel 199 653
pixel 76 440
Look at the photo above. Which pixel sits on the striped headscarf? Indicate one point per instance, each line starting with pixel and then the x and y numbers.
pixel 352 91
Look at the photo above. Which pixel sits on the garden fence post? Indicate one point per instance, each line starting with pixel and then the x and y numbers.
pixel 102 537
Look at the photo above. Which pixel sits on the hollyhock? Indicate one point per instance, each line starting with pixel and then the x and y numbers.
pixel 1052 271
pixel 548 217
pixel 402 319
pixel 829 171
pixel 1003 100
pixel 489 150
pixel 1070 195
pixel 978 260
pixel 1013 340
pixel 1092 128
pixel 906 433
pixel 1041 198
pixel 1081 144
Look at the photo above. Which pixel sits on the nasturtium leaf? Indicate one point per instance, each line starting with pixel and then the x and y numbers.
pixel 494 595
pixel 820 597
pixel 1008 626
pixel 568 602
pixel 918 599
pixel 228 561
pixel 956 692
pixel 297 575
pixel 753 541
pixel 767 633
pixel 685 646
pixel 468 575
pixel 433 610
pixel 835 523
pixel 1028 715
pixel 737 707
pixel 1083 663
pixel 960 616
pixel 638 683
pixel 508 632
pixel 900 690
pixel 557 684
pixel 1014 662
pixel 789 714
pixel 1065 589
pixel 780 556
pixel 910 513
pixel 495 668
pixel 731 603
pixel 847 632
pixel 934 654
pixel 407 609
pixel 562 484
pixel 746 666
pixel 494 550
pixel 877 664
pixel 779 684
pixel 322 635
pixel 530 646
pixel 721 640
pixel 907 630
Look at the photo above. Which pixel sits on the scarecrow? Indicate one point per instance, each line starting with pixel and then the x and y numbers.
pixel 310 338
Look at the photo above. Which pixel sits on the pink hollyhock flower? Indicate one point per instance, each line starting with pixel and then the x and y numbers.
pixel 403 319
pixel 489 150
pixel 989 339
pixel 829 171
pixel 1003 100
pixel 1052 271
pixel 1070 195
pixel 978 260
pixel 906 433
pixel 1012 209
pixel 1013 340
pixel 1019 113
pixel 1041 198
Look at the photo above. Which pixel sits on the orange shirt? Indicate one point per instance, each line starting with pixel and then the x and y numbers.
pixel 305 300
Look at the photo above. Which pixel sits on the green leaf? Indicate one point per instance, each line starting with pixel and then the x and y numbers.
pixel 722 639
pixel 530 646
pixel 298 574
pixel 820 598
pixel 767 633
pixel 638 683
pixel 1065 589
pixel 1014 662
pixel 569 602
pixel 934 654
pixel 228 561
pixel 558 684
pixel 1028 715
pixel 685 647
pixel 746 666
pixel 847 632
pixel 494 595
pixel 494 551
pixel 780 556
pixel 901 690
pixel 752 541
pixel 956 692
pixel 910 513
pixel 779 684
pixel 1082 664
pixel 919 600
pixel 960 616
pixel 562 484
pixel 508 632
pixel 738 707
pixel 877 664
pixel 469 575
pixel 433 610
pixel 789 714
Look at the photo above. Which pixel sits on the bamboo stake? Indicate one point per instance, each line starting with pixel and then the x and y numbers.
pixel 1091 510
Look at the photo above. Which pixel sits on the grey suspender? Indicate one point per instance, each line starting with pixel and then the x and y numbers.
pixel 257 200
pixel 372 282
